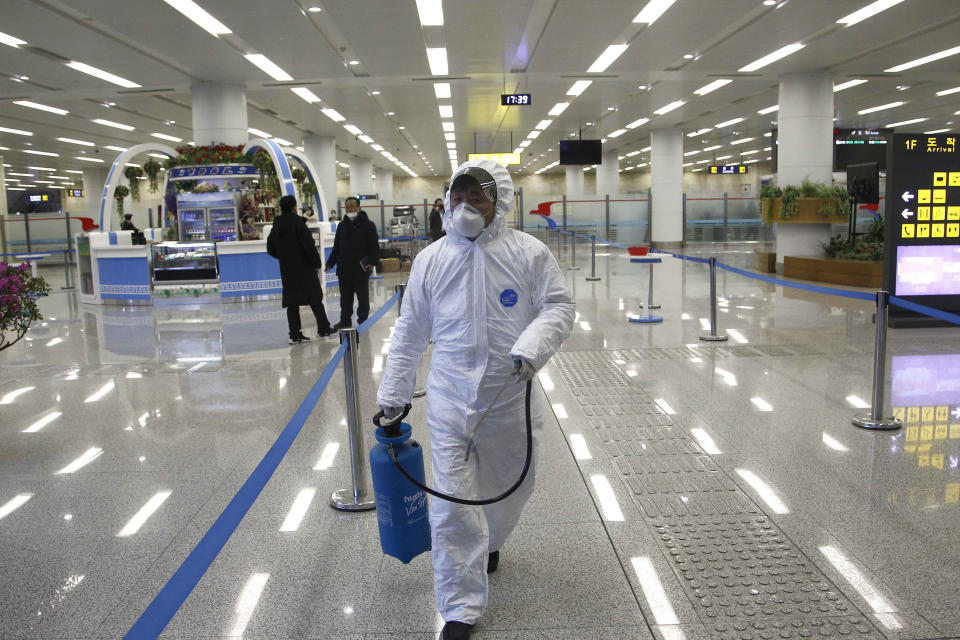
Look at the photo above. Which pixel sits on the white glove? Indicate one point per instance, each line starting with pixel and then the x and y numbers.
pixel 523 370
pixel 391 413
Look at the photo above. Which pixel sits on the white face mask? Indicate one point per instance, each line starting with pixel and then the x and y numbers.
pixel 468 221
pixel 351 214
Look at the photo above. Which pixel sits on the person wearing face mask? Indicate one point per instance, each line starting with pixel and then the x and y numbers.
pixel 436 220
pixel 496 304
pixel 355 253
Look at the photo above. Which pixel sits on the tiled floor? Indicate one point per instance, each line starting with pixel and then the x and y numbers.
pixel 685 489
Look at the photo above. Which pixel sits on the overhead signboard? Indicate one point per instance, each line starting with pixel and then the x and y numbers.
pixel 502 158
pixel 515 99
pixel 922 249
pixel 729 169
pixel 75 193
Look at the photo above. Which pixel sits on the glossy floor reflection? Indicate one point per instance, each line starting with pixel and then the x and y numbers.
pixel 686 489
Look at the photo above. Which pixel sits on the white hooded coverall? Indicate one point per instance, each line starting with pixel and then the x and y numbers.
pixel 484 301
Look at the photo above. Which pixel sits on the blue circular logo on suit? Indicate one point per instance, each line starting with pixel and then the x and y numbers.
pixel 508 297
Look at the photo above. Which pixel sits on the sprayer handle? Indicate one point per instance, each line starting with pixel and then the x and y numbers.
pixel 392 427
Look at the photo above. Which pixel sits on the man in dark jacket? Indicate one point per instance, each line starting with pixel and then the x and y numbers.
pixel 291 243
pixel 355 252
pixel 436 220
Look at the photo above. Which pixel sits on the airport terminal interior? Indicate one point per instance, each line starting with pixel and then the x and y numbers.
pixel 167 458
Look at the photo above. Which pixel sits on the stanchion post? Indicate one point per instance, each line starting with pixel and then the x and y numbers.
pixel 520 209
pixel 573 252
pixel 383 221
pixel 650 304
pixel 26 227
pixel 606 215
pixel 712 336
pixel 358 498
pixel 876 420
pixel 564 212
pixel 66 255
pixel 593 260
pixel 402 288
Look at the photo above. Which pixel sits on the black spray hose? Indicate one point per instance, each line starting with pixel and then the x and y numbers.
pixel 448 498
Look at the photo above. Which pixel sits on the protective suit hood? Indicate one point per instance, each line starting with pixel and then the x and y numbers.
pixel 502 188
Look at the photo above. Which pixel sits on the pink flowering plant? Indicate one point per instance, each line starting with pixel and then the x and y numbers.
pixel 18 301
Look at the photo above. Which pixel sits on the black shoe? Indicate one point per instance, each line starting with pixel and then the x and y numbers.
pixel 341 325
pixel 299 339
pixel 456 631
pixel 329 331
pixel 493 561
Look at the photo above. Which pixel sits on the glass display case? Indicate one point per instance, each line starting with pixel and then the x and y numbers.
pixel 210 217
pixel 184 262
pixel 223 224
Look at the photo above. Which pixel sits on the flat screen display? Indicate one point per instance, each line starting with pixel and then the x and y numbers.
pixel 581 152
pixel 928 270
pixel 34 201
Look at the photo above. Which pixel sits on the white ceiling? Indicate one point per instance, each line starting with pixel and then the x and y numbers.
pixel 494 46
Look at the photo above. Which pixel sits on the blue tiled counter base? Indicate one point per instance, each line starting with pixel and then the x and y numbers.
pixel 249 274
pixel 124 278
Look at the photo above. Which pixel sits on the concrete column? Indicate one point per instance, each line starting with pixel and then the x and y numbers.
pixel 608 178
pixel 666 187
pixel 574 184
pixel 322 153
pixel 383 181
pixel 93 180
pixel 805 152
pixel 361 176
pixel 219 113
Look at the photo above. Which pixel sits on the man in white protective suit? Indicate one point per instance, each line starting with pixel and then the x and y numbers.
pixel 497 307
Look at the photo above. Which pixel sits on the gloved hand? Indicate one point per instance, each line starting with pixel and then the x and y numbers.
pixel 390 413
pixel 523 370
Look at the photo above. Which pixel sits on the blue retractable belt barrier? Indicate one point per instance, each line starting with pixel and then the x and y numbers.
pixel 845 293
pixel 31 253
pixel 946 316
pixel 165 605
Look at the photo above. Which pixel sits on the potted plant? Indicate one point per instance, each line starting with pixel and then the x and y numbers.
pixel 810 203
pixel 18 302
pixel 119 194
pixel 133 175
pixel 152 169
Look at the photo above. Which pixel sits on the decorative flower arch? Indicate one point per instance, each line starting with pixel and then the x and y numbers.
pixel 107 203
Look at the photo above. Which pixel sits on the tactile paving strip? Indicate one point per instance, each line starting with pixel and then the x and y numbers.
pixel 745 577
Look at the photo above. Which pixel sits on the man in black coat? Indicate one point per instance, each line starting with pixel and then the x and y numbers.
pixel 291 243
pixel 355 252
pixel 436 221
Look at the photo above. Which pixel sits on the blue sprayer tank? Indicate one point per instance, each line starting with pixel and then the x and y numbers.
pixel 401 507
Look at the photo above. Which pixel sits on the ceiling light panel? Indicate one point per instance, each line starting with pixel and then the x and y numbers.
pixel 607 58
pixel 115 125
pixel 437 58
pixel 306 94
pixel 868 11
pixel 770 58
pixel 268 67
pixel 41 107
pixel 558 108
pixel 199 16
pixel 669 107
pixel 727 123
pixel 164 136
pixel 848 84
pixel 447 126
pixel 653 10
pixel 10 41
pixel 442 90
pixel 431 13
pixel 333 114
pixel 904 123
pixel 578 87
pixel 446 111
pixel 699 132
pixel 767 110
pixel 890 105
pixel 101 74
pixel 933 57
pixel 82 143
pixel 713 86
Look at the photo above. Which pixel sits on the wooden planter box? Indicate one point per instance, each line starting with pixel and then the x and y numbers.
pixel 806 213
pixel 853 273
pixel 765 261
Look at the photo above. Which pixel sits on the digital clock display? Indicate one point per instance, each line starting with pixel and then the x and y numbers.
pixel 514 99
